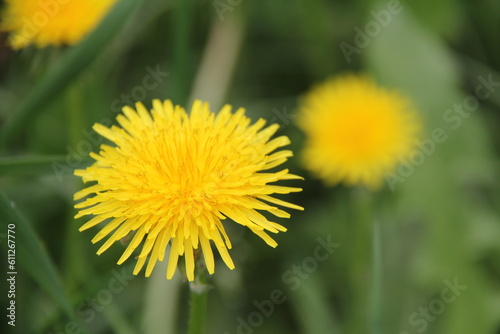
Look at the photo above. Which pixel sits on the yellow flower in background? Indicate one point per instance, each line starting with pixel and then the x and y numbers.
pixel 57 22
pixel 173 177
pixel 355 130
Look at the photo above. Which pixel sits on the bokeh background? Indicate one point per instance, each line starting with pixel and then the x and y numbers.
pixel 438 248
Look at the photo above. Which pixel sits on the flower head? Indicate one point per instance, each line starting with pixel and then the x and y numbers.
pixel 56 23
pixel 356 131
pixel 174 177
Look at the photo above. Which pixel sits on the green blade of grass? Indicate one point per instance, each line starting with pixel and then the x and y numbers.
pixel 35 165
pixel 312 309
pixel 181 53
pixel 73 63
pixel 32 256
pixel 377 303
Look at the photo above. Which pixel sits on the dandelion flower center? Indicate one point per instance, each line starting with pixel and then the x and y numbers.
pixel 173 178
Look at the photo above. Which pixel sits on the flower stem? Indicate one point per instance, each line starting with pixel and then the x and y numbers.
pixel 366 270
pixel 359 240
pixel 181 40
pixel 377 301
pixel 198 303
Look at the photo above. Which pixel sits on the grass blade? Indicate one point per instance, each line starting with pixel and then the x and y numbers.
pixel 73 63
pixel 312 309
pixel 32 256
pixel 34 165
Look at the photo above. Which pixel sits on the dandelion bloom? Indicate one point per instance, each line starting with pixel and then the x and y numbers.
pixel 355 130
pixel 45 23
pixel 172 177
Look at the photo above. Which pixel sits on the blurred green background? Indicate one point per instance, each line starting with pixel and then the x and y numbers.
pixel 438 270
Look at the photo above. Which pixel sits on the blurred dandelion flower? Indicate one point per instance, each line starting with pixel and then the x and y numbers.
pixel 172 178
pixel 355 130
pixel 57 23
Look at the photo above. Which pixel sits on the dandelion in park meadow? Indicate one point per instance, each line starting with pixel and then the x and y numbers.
pixel 45 23
pixel 173 178
pixel 355 130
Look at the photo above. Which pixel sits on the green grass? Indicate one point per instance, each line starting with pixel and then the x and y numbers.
pixel 439 225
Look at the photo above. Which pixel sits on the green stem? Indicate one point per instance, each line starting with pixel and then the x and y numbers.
pixel 365 263
pixel 182 32
pixel 198 303
pixel 359 236
pixel 30 165
pixel 75 115
pixel 377 281
pixel 74 260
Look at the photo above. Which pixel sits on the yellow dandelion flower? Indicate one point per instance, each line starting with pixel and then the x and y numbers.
pixel 45 23
pixel 173 177
pixel 355 130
